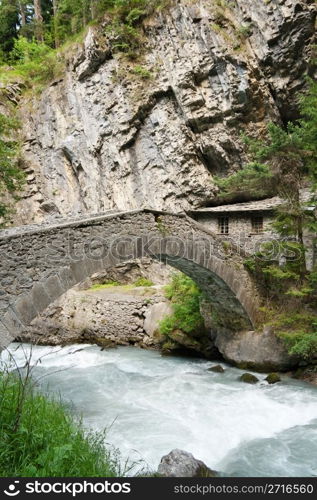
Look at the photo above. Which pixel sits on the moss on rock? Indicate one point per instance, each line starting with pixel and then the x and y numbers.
pixel 273 378
pixel 248 378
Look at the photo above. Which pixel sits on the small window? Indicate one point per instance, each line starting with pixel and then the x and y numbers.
pixel 257 225
pixel 223 225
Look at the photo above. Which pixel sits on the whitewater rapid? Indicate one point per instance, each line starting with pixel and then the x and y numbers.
pixel 151 404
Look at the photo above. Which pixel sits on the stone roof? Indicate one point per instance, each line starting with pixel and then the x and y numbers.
pixel 268 204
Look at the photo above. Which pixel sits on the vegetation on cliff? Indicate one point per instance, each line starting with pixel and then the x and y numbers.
pixel 40 438
pixel 54 21
pixel 285 162
pixel 32 33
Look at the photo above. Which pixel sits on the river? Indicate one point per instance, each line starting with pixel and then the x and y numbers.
pixel 152 403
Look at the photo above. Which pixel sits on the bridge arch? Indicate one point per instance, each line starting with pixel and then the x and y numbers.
pixel 40 263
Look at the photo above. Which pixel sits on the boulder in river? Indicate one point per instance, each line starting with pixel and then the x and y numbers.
pixel 248 378
pixel 216 369
pixel 180 463
pixel 259 351
pixel 273 378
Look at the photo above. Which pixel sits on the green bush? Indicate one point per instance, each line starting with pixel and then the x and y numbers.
pixel 296 326
pixel 143 282
pixel 142 72
pixel 302 343
pixel 34 62
pixel 39 438
pixel 185 296
pixel 254 179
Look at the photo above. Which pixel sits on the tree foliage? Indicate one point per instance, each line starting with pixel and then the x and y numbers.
pixel 9 23
pixel 185 299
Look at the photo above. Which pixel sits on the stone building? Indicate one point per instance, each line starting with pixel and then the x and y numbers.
pixel 249 225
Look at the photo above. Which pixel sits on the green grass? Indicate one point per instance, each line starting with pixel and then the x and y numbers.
pixel 40 438
pixel 143 282
pixel 102 286
pixel 140 282
pixel 142 72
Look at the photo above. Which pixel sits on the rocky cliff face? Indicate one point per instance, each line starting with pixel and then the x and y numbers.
pixel 116 134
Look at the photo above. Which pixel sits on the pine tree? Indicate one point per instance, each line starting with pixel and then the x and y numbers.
pixel 38 20
pixel 9 24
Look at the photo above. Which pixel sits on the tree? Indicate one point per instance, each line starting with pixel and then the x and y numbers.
pixel 22 12
pixel 9 24
pixel 38 18
pixel 55 11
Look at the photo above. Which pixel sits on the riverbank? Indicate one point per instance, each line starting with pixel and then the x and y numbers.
pixel 114 314
pixel 40 438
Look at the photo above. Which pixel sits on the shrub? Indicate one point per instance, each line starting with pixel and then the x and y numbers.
pixel 142 72
pixel 34 62
pixel 143 282
pixel 302 343
pixel 184 295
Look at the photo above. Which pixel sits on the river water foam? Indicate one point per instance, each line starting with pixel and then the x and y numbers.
pixel 152 404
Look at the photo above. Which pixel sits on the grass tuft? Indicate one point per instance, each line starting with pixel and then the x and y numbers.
pixel 40 438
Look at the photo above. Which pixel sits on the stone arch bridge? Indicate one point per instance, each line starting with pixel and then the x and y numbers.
pixel 41 262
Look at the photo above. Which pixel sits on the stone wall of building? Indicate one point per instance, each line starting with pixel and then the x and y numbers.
pixel 240 229
pixel 242 235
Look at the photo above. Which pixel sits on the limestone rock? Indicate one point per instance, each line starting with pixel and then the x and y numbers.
pixel 154 315
pixel 91 56
pixel 179 463
pixel 260 351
